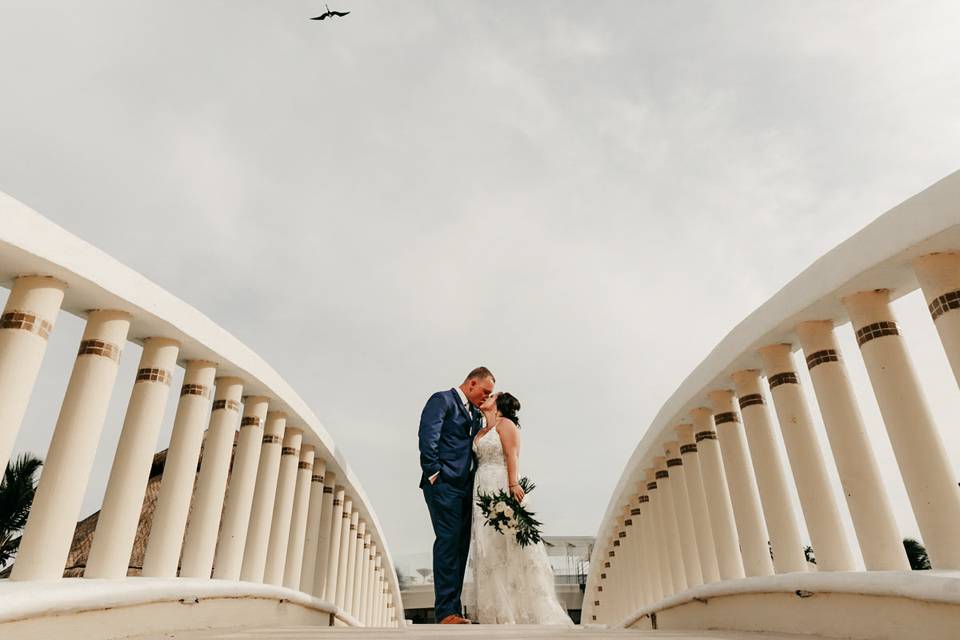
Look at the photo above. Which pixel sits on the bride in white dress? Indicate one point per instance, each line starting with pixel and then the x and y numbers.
pixel 512 584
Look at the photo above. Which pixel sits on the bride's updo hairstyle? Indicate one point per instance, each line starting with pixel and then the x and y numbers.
pixel 508 406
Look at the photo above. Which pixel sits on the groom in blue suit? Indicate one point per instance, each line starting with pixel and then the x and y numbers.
pixel 448 424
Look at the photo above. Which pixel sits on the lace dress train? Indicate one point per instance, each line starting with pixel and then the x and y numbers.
pixel 512 584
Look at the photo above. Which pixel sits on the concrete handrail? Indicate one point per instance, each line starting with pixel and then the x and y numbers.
pixel 47 269
pixel 704 490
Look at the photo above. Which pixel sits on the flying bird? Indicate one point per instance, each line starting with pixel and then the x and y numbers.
pixel 329 14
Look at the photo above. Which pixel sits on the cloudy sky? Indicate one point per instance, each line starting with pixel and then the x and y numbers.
pixel 583 196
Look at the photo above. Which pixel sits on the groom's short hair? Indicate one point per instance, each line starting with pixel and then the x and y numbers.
pixel 479 374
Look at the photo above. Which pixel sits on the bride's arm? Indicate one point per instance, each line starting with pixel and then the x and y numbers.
pixel 510 439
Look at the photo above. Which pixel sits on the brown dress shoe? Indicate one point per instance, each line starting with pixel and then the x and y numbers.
pixel 455 619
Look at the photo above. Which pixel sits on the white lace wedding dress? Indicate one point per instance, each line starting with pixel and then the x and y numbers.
pixel 512 584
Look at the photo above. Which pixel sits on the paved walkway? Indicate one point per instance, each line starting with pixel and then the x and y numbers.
pixel 473 632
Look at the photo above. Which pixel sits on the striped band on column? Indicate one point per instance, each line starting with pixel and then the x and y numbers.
pixel 636 511
pixel 877 330
pixel 725 417
pixel 628 522
pixel 750 399
pixel 226 403
pixel 662 473
pixel 250 421
pixel 622 534
pixel 688 448
pixel 269 438
pixel 787 377
pixel 99 348
pixel 820 357
pixel 149 374
pixel 289 451
pixel 674 462
pixel 706 435
pixel 643 499
pixel 947 302
pixel 317 478
pixel 336 501
pixel 329 490
pixel 303 464
pixel 195 390
pixel 651 486
pixel 26 321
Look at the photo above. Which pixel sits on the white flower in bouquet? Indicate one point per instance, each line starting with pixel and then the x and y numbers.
pixel 508 512
pixel 500 507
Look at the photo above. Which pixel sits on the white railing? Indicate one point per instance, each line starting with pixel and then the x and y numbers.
pixel 684 541
pixel 282 519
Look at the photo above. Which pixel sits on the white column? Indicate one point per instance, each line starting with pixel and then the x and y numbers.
pixel 375 587
pixel 662 557
pixel 635 557
pixel 353 566
pixel 939 276
pixel 806 460
pixel 329 593
pixel 283 507
pixel 298 519
pixel 348 542
pixel 368 581
pixel 930 481
pixel 360 582
pixel 706 549
pixel 632 566
pixel 743 486
pixel 785 540
pixel 312 533
pixel 671 528
pixel 617 574
pixel 649 551
pixel 323 534
pixel 264 495
pixel 378 599
pixel 56 505
pixel 873 520
pixel 25 325
pixel 117 525
pixel 645 572
pixel 179 471
pixel 729 559
pixel 228 559
pixel 199 543
pixel 681 509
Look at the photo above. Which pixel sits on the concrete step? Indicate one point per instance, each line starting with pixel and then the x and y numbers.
pixel 463 632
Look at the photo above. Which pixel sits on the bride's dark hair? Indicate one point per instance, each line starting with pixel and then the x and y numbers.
pixel 508 406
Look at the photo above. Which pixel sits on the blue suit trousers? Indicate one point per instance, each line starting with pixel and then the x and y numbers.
pixel 451 509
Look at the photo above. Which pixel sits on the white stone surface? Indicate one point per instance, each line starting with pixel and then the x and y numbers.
pixel 878 256
pixel 29 243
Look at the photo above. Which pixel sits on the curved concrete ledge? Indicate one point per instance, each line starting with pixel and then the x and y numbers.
pixel 31 244
pixel 876 604
pixel 90 608
pixel 878 256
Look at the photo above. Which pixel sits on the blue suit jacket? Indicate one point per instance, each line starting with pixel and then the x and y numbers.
pixel 446 439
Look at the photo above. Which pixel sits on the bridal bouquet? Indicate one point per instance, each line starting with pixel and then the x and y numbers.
pixel 509 517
